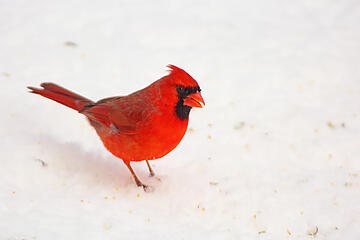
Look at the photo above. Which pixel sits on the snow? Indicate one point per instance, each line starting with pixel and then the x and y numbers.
pixel 273 155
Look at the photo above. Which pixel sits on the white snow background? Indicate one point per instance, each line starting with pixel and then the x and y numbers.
pixel 275 154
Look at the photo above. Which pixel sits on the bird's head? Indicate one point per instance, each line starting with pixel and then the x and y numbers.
pixel 182 91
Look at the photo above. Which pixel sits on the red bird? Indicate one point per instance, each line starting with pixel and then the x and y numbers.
pixel 144 125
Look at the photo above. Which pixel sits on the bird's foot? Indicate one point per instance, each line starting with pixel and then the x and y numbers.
pixel 145 187
pixel 148 188
pixel 151 174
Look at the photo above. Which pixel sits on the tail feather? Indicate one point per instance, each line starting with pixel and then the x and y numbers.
pixel 62 95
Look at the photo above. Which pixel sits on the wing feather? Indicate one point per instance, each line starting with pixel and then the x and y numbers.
pixel 118 113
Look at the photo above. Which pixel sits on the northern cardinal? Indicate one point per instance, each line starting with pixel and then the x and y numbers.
pixel 144 125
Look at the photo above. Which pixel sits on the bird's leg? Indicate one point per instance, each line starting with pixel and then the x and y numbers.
pixel 152 173
pixel 138 182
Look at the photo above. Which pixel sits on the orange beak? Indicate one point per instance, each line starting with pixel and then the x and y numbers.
pixel 194 100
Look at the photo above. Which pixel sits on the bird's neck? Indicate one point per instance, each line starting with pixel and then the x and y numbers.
pixel 182 111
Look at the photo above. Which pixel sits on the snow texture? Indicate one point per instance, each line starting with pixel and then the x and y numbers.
pixel 275 154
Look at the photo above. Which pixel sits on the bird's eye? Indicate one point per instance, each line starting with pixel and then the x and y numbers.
pixel 180 89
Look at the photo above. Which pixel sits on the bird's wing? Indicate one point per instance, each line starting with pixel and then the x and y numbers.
pixel 119 113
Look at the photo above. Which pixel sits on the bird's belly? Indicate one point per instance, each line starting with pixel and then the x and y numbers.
pixel 146 144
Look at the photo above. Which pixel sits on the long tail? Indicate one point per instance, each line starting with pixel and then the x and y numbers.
pixel 62 95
